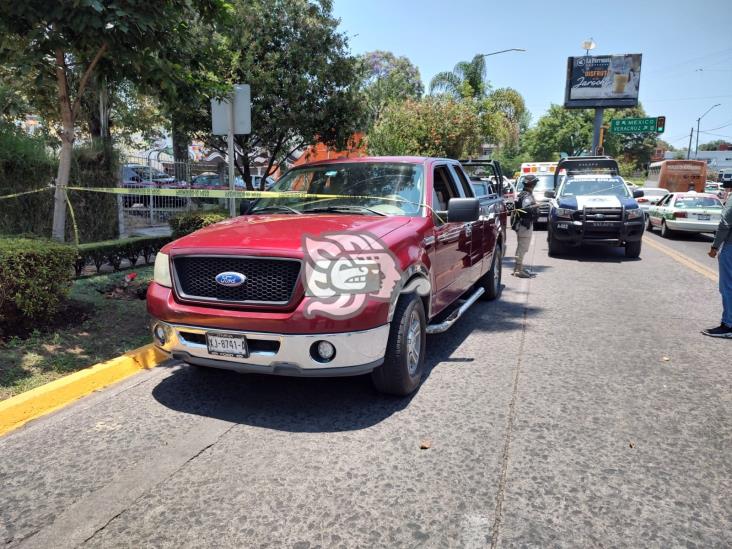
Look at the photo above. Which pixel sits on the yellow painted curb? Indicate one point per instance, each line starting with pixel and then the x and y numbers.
pixel 42 400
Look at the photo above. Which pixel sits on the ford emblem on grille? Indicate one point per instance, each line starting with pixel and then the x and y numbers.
pixel 231 279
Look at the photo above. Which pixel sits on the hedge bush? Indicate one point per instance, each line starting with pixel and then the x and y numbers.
pixel 114 251
pixel 192 221
pixel 35 277
pixel 26 163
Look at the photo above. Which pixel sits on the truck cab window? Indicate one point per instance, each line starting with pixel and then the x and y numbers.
pixel 443 188
pixel 463 181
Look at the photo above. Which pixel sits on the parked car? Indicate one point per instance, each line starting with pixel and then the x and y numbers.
pixel 211 180
pixel 207 180
pixel 650 197
pixel 307 285
pixel 593 205
pixel 141 176
pixel 688 212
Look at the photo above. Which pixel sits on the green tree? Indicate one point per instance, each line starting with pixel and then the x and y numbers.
pixel 304 82
pixel 433 126
pixel 570 131
pixel 466 80
pixel 60 45
pixel 714 145
pixel 386 79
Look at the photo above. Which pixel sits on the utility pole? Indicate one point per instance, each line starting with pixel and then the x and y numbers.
pixel 691 135
pixel 698 120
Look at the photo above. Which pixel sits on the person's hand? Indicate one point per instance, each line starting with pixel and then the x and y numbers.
pixel 712 252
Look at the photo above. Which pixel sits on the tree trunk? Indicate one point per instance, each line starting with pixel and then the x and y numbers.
pixel 62 180
pixel 181 142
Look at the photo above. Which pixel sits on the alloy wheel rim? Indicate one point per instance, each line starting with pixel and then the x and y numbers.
pixel 414 340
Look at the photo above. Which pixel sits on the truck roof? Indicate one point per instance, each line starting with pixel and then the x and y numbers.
pixel 382 159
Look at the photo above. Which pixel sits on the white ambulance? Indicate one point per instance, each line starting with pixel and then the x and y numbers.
pixel 545 172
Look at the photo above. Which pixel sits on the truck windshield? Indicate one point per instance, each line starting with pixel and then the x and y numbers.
pixel 581 186
pixel 378 187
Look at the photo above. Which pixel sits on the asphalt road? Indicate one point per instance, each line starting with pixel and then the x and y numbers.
pixel 583 409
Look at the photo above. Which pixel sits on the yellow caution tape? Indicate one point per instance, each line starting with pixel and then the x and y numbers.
pixel 26 192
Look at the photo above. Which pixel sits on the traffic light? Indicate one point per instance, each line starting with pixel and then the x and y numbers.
pixel 660 124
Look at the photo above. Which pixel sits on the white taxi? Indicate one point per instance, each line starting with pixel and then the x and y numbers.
pixel 688 212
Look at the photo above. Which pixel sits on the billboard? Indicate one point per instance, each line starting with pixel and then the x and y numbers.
pixel 602 81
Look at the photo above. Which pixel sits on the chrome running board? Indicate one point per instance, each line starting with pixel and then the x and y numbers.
pixel 456 314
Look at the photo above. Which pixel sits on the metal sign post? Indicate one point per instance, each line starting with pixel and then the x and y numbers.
pixel 231 158
pixel 596 133
pixel 230 117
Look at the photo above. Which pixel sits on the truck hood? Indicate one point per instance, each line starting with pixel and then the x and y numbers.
pixel 596 201
pixel 279 234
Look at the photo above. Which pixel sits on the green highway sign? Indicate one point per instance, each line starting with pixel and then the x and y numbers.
pixel 638 125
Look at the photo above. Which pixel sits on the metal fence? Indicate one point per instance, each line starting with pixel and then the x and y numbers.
pixel 140 212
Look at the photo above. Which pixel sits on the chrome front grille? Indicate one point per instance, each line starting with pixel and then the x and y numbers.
pixel 603 214
pixel 269 281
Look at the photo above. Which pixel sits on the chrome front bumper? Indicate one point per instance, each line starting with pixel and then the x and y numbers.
pixel 280 354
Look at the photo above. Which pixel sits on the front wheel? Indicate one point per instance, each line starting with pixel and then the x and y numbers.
pixel 633 249
pixel 555 246
pixel 403 367
pixel 649 225
pixel 491 281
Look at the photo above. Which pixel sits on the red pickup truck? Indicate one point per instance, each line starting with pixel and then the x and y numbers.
pixel 343 272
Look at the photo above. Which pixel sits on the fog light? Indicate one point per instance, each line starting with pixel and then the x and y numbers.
pixel 322 351
pixel 160 334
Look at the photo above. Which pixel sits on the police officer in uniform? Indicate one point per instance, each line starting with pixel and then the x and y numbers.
pixel 525 213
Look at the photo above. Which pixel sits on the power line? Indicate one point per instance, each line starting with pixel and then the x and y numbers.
pixel 692 60
pixel 717 135
pixel 685 98
pixel 719 127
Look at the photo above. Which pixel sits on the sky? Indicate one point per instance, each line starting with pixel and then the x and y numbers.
pixel 686 47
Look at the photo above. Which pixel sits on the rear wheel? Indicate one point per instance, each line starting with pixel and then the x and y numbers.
pixel 491 281
pixel 633 249
pixel 665 231
pixel 403 367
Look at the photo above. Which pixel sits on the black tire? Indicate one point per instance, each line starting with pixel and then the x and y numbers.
pixel 665 231
pixel 649 225
pixel 633 249
pixel 491 281
pixel 556 248
pixel 395 376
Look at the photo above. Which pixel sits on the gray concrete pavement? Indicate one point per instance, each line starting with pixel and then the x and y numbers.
pixel 581 410
pixel 694 246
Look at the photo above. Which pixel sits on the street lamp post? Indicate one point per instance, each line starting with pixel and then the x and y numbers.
pixel 501 51
pixel 698 120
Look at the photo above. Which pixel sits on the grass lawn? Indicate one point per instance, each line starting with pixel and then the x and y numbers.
pixel 90 329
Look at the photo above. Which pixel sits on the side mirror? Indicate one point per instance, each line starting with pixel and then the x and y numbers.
pixel 244 206
pixel 550 194
pixel 637 193
pixel 463 210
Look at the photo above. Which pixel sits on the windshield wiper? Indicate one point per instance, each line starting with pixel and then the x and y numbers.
pixel 276 209
pixel 346 209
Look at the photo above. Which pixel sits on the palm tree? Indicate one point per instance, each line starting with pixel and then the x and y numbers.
pixel 467 79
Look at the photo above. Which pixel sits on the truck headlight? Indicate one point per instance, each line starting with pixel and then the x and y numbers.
pixel 161 272
pixel 564 213
pixel 635 213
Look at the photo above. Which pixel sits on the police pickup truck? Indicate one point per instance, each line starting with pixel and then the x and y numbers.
pixel 593 205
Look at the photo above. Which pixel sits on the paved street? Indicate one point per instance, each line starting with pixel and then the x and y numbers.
pixel 583 409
